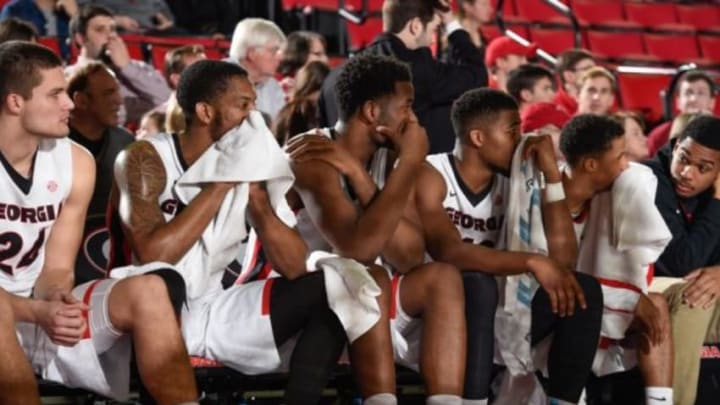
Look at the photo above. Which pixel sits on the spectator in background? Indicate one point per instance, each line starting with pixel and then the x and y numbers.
pixel 635 139
pixel 174 118
pixel 301 113
pixel 570 65
pixel 680 122
pixel 152 17
pixel 502 56
pixel 545 118
pixel 530 84
pixel 142 87
pixel 153 122
pixel 15 29
pixel 472 15
pixel 176 61
pixel 94 124
pixel 303 47
pixel 695 93
pixel 50 18
pixel 409 27
pixel 596 91
pixel 258 45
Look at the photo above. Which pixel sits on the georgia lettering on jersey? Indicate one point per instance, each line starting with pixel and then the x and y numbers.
pixel 29 208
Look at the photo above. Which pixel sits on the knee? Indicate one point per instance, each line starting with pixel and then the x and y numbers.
pixel 175 285
pixel 442 279
pixel 382 279
pixel 480 288
pixel 592 290
pixel 152 290
pixel 660 304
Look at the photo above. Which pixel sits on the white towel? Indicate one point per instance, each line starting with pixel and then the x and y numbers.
pixel 351 292
pixel 524 232
pixel 624 235
pixel 245 154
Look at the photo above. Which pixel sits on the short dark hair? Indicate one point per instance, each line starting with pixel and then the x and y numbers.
pixel 367 77
pixel 588 134
pixel 479 107
pixel 297 51
pixel 80 79
pixel 79 23
pixel 203 81
pixel 525 77
pixel 16 29
pixel 397 13
pixel 705 130
pixel 568 60
pixel 20 66
pixel 697 75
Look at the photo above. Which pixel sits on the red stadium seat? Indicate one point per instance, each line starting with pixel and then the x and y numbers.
pixel 617 45
pixel 680 48
pixel 327 5
pixel 641 92
pixel 660 16
pixel 602 13
pixel 710 47
pixel 702 17
pixel 539 11
pixel 50 42
pixel 359 36
pixel 553 40
pixel 374 6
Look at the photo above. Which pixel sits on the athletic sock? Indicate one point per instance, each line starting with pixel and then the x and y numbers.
pixel 474 401
pixel 443 399
pixel 381 399
pixel 659 395
pixel 555 401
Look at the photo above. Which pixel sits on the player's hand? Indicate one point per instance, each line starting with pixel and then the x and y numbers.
pixel 314 146
pixel 648 316
pixel 127 23
pixel 703 287
pixel 117 51
pixel 560 285
pixel 409 140
pixel 63 320
pixel 542 150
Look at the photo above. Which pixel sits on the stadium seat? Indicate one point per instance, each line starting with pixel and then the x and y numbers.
pixel 491 31
pixel 710 47
pixel 374 6
pixel 702 17
pixel 360 36
pixel 325 5
pixel 602 14
pixel 617 45
pixel 655 16
pixel 679 48
pixel 641 92
pixel 538 11
pixel 553 40
pixel 51 42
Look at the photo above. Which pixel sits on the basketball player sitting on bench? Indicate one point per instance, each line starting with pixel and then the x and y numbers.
pixel 78 337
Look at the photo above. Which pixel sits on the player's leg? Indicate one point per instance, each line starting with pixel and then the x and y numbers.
pixel 299 307
pixel 481 298
pixel 575 339
pixel 434 292
pixel 17 382
pixel 656 361
pixel 142 306
pixel 372 358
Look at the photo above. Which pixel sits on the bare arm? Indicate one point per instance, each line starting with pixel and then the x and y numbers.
pixel 283 245
pixel 140 178
pixel 444 242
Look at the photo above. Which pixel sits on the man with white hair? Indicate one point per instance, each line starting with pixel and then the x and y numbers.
pixel 257 45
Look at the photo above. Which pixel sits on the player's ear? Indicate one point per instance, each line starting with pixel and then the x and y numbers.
pixel 476 137
pixel 370 112
pixel 590 164
pixel 204 112
pixel 14 103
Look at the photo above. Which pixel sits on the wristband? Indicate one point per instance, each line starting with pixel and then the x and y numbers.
pixel 554 192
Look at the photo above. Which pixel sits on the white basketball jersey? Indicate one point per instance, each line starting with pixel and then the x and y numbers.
pixel 174 168
pixel 28 210
pixel 478 217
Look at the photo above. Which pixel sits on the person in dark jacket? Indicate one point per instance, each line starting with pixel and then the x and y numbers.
pixel 409 26
pixel 688 271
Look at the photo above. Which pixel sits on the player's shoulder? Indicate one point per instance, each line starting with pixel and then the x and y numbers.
pixel 81 157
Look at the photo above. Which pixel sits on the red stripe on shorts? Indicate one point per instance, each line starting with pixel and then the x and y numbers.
pixel 267 289
pixel 393 296
pixel 86 301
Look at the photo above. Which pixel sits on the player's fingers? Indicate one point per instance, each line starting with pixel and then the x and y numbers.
pixel 562 301
pixel 579 293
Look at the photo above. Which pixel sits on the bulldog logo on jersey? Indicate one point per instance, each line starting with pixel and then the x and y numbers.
pixel 52 186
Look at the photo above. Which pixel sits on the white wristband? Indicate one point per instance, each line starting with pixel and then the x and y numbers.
pixel 554 192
